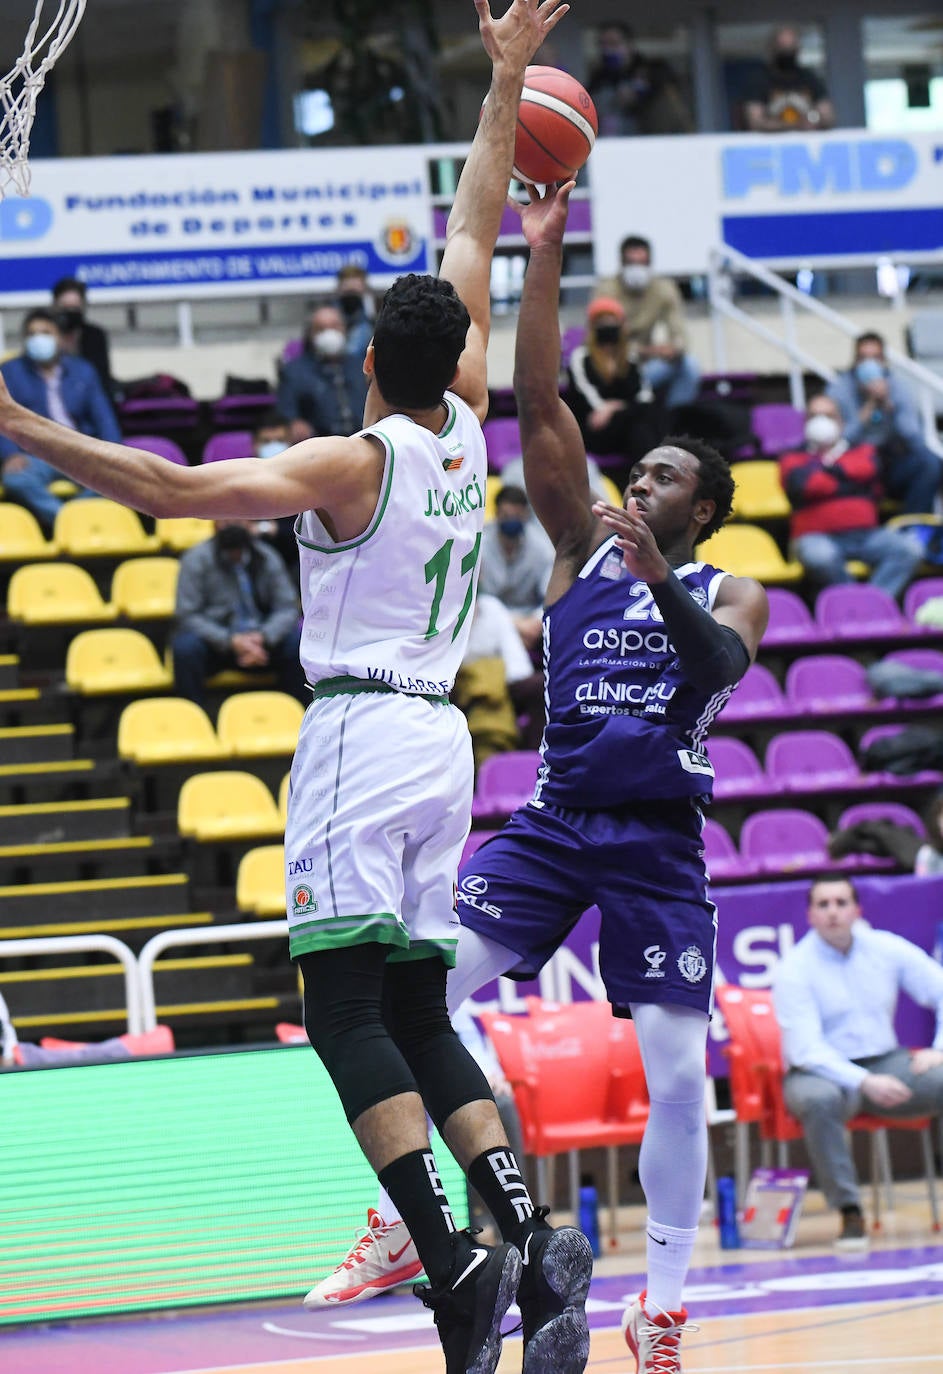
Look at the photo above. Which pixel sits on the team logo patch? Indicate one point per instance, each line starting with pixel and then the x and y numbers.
pixel 453 464
pixel 303 902
pixel 692 964
pixel 655 956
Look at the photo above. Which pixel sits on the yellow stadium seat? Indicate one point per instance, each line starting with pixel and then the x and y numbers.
pixel 181 533
pixel 98 528
pixel 283 790
pixel 101 661
pixel 748 551
pixel 167 730
pixel 759 494
pixel 257 724
pixel 227 806
pixel 21 539
pixel 63 488
pixel 146 588
pixel 55 594
pixel 260 883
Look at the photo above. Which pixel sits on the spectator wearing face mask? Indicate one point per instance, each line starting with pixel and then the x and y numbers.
pixel 79 335
pixel 616 411
pixel 323 390
pixel 634 94
pixel 787 97
pixel 355 302
pixel 516 559
pixel 654 324
pixel 834 489
pixel 236 608
pixel 877 408
pixel 59 386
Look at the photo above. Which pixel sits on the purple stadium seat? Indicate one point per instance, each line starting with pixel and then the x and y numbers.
pixel 828 682
pixel 505 781
pixel 293 349
pixel 810 760
pixel 236 443
pixel 570 342
pixel 476 839
pixel 777 841
pixel 158 414
pixel 919 592
pixel 241 412
pixel 159 444
pixel 927 660
pixel 737 770
pixel 858 611
pixel 778 427
pixel 720 853
pixel 758 694
pixel 503 441
pixel 790 620
pixel 882 811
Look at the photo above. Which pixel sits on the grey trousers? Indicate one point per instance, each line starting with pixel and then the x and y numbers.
pixel 823 1108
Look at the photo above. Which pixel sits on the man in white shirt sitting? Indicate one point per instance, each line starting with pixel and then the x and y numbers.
pixel 835 996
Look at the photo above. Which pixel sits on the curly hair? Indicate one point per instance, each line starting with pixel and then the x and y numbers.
pixel 716 480
pixel 418 338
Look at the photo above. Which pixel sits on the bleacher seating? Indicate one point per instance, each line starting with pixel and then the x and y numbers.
pixel 114 662
pixel 145 588
pixel 236 443
pixel 96 528
pixel 56 594
pixel 160 445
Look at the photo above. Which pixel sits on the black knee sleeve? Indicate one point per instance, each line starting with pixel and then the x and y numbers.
pixel 343 1001
pixel 415 1014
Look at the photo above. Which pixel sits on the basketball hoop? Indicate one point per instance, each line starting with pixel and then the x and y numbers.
pixel 20 88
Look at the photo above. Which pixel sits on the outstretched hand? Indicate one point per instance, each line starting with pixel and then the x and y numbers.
pixel 543 219
pixel 513 39
pixel 640 553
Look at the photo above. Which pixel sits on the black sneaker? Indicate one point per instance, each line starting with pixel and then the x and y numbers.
pixel 854 1232
pixel 470 1305
pixel 558 1266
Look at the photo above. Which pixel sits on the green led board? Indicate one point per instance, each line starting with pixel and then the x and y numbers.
pixel 174 1182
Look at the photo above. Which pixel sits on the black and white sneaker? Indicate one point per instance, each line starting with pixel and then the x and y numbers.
pixel 470 1305
pixel 558 1267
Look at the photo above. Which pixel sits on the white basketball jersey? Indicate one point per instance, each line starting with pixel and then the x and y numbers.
pixel 395 605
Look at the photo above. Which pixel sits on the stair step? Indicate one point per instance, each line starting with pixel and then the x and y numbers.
pixel 51 823
pixel 36 744
pixel 89 900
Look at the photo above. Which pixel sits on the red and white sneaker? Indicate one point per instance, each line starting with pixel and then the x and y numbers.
pixel 382 1256
pixel 655 1341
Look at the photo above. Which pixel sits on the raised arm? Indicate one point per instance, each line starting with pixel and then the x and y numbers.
pixel 475 217
pixel 554 455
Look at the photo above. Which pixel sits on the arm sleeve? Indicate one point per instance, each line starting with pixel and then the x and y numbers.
pixel 804 1043
pixel 674 316
pixel 806 480
pixel 7 446
pixel 102 413
pixel 845 395
pixel 288 394
pixel 922 979
pixel 283 614
pixel 712 655
pixel 189 608
pixel 906 415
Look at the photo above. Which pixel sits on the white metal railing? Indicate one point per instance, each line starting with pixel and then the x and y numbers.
pixel 195 935
pixel 726 263
pixel 73 944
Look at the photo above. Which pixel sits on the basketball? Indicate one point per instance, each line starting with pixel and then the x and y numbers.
pixel 556 127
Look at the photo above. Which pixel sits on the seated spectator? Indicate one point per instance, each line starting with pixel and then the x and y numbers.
pixel 654 323
pixel 52 383
pixel 236 608
pixel 835 491
pixel 891 840
pixel 835 995
pixel 79 335
pixel 877 408
pixel 356 304
pixel 634 94
pixel 498 683
pixel 617 413
pixel 516 559
pixel 786 96
pixel 323 390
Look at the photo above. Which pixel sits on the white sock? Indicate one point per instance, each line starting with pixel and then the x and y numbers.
pixel 385 1205
pixel 669 1251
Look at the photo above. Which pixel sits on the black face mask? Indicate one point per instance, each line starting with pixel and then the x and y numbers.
pixel 351 302
pixel 232 537
pixel 607 333
pixel 70 319
pixel 785 61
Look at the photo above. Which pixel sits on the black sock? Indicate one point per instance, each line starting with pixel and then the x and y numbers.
pixel 498 1179
pixel 413 1183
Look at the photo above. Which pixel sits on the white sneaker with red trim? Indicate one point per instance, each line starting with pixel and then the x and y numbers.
pixel 655 1341
pixel 382 1256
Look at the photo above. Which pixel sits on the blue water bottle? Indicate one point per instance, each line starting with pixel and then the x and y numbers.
pixel 727 1214
pixel 589 1216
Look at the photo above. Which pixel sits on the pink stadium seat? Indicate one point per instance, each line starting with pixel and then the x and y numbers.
pixel 778 427
pixel 236 443
pixel 737 770
pixel 790 620
pixel 828 682
pixel 503 441
pixel 720 853
pixel 858 611
pixel 778 841
pixel 813 760
pixel 758 694
pixel 505 781
pixel 159 444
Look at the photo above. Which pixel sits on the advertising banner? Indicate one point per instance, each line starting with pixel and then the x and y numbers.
pixel 812 197
pixel 223 224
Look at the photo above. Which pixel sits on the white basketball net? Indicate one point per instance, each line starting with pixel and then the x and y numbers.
pixel 20 88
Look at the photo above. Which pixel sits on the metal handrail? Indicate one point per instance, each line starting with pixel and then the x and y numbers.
pixel 74 944
pixel 194 935
pixel 724 261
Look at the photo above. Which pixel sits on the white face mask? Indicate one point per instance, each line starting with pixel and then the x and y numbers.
pixel 821 431
pixel 330 343
pixel 636 276
pixel 41 348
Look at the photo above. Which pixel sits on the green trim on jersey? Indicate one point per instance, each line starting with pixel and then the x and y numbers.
pixel 374 525
pixel 352 686
pixel 452 408
pixel 341 932
pixel 426 949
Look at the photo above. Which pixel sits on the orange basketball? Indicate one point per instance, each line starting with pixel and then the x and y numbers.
pixel 556 127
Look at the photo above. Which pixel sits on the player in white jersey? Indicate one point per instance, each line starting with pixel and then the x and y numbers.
pixel 381 789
